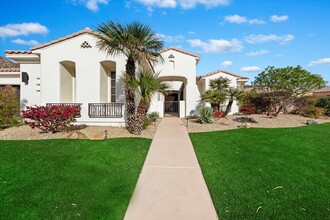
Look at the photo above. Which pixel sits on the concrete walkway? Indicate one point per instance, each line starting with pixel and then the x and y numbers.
pixel 171 185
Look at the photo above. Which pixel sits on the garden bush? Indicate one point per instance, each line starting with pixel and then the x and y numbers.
pixel 248 110
pixel 205 115
pixel 312 111
pixel 9 107
pixel 51 119
pixel 150 118
pixel 245 119
pixel 218 114
pixel 323 102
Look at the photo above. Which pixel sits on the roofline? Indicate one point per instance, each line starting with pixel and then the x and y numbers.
pixel 81 32
pixel 197 57
pixel 17 52
pixel 222 71
pixel 10 70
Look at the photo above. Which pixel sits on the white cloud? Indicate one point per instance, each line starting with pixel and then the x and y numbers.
pixel 256 21
pixel 171 39
pixel 236 19
pixel 227 63
pixel 184 4
pixel 262 38
pixel 25 42
pixel 276 18
pixel 217 46
pixel 92 5
pixel 257 53
pixel 250 69
pixel 319 61
pixel 191 32
pixel 14 30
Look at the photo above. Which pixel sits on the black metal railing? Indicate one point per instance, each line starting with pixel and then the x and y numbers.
pixel 171 106
pixel 105 110
pixel 66 104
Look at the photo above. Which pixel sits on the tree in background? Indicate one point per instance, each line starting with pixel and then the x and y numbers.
pixel 232 94
pixel 139 44
pixel 9 107
pixel 280 87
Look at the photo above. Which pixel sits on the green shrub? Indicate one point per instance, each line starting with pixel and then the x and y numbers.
pixel 323 102
pixel 9 107
pixel 312 111
pixel 205 115
pixel 150 118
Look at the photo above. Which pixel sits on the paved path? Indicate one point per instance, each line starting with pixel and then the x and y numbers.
pixel 171 185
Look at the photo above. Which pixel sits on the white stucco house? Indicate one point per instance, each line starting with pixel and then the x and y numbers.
pixel 72 70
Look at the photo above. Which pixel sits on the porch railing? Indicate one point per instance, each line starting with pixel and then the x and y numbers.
pixel 105 110
pixel 66 104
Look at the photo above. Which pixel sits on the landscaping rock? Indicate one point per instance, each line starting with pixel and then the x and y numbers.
pixel 246 125
pixel 76 135
pixel 311 122
pixel 97 136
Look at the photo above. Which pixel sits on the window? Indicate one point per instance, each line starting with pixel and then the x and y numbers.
pixel 113 86
pixel 172 65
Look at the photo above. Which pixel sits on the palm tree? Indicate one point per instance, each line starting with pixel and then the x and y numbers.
pixel 139 44
pixel 215 97
pixel 220 83
pixel 232 94
pixel 146 84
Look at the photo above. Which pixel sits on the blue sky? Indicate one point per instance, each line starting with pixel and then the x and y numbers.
pixel 241 36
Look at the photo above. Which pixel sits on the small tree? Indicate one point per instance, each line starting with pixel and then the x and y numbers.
pixel 282 86
pixel 217 94
pixel 9 106
pixel 232 94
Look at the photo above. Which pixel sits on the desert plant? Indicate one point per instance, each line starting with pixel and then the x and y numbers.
pixel 232 94
pixel 205 115
pixel 218 114
pixel 150 118
pixel 245 119
pixel 311 111
pixel 248 110
pixel 9 107
pixel 51 119
pixel 323 102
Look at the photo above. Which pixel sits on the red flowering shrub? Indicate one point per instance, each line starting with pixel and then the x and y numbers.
pixel 218 114
pixel 248 110
pixel 51 118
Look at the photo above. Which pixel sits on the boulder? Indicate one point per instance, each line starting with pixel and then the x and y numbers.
pixel 76 135
pixel 97 136
pixel 311 122
pixel 246 125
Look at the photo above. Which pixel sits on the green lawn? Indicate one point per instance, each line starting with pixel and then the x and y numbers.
pixel 267 173
pixel 69 179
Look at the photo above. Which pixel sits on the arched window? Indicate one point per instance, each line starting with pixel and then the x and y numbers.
pixel 172 64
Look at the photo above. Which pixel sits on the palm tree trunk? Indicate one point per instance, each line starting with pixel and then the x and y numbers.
pixel 228 108
pixel 140 116
pixel 130 95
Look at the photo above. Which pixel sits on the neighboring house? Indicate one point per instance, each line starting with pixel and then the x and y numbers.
pixel 72 70
pixel 325 91
pixel 10 74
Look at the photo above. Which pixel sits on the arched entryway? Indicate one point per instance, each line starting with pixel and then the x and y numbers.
pixel 67 81
pixel 173 102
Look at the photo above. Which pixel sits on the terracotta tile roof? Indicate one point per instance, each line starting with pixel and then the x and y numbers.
pixel 222 71
pixel 17 52
pixel 12 70
pixel 323 90
pixel 86 30
pixel 8 66
pixel 181 51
